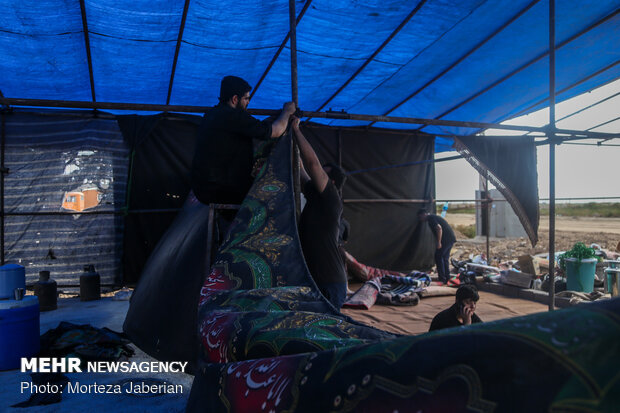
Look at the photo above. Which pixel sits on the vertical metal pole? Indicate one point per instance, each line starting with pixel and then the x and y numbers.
pixel 293 36
pixel 210 230
pixel 340 148
pixel 339 154
pixel 487 217
pixel 2 172
pixel 293 39
pixel 485 210
pixel 551 136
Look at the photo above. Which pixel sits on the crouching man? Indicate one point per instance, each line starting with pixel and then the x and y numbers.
pixel 462 312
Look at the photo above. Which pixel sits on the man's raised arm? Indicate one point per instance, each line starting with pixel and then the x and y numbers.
pixel 310 161
pixel 278 127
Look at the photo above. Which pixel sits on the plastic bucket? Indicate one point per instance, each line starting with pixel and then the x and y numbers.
pixel 19 331
pixel 580 274
pixel 612 282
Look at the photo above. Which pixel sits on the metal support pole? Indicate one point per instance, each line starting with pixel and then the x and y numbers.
pixel 212 227
pixel 339 154
pixel 210 230
pixel 387 201
pixel 485 210
pixel 2 172
pixel 340 148
pixel 487 218
pixel 294 94
pixel 551 137
pixel 293 33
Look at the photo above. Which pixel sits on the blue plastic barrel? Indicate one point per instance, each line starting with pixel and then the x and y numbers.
pixel 12 276
pixel 19 331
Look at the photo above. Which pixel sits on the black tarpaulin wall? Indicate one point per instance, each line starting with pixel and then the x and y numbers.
pixel 383 234
pixel 510 164
pixel 162 151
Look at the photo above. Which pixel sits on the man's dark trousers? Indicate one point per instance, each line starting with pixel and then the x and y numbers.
pixel 442 259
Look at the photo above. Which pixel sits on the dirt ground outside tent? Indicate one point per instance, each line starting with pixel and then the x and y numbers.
pixel 415 320
pixel 569 230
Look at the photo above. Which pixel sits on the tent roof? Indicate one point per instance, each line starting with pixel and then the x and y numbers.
pixel 471 60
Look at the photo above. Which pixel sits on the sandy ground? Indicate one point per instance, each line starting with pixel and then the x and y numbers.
pixel 569 230
pixel 417 319
pixel 570 224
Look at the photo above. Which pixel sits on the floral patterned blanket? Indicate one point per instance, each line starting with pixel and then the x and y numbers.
pixel 271 343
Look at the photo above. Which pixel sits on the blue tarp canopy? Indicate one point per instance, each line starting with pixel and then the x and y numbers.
pixel 470 60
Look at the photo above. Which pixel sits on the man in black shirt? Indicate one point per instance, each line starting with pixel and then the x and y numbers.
pixel 445 239
pixel 319 224
pixel 462 313
pixel 223 160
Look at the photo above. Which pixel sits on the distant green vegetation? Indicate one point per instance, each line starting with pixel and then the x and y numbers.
pixel 468 230
pixel 590 209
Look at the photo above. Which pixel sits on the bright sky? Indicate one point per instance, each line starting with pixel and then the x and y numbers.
pixel 581 171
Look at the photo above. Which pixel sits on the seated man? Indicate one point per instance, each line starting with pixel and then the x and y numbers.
pixel 462 313
pixel 319 224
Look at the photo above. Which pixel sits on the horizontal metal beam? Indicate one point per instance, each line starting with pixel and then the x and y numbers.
pixel 540 199
pixel 275 112
pixel 591 144
pixel 114 212
pixel 55 213
pixel 403 165
pixel 588 107
pixel 569 87
pixel 584 109
pixel 386 201
pixel 603 124
pixel 444 122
